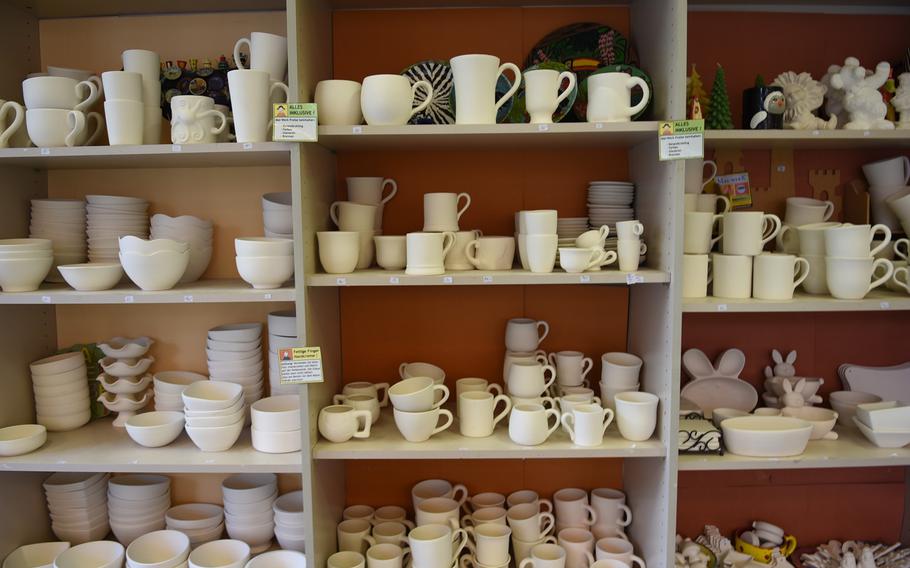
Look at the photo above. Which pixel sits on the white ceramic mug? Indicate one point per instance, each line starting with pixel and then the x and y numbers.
pixel 386 555
pixel 695 180
pixel 629 252
pixel 746 232
pixel 457 259
pixel 571 367
pixel 572 509
pixel 437 510
pixel 391 251
pixel 490 544
pixel 429 488
pixel 817 280
pixel 629 229
pixel 339 423
pixel 388 100
pixel 528 522
pixel 732 276
pixel 636 415
pixel 346 559
pixel 477 413
pixel 369 191
pixel 59 93
pixel 579 546
pixel 538 355
pixel 350 216
pixel 487 500
pixel 389 514
pixel 525 334
pixel 421 426
pixel 360 402
pixel 706 203
pixel 849 278
pixel 776 276
pixel 148 64
pixel 574 260
pixel 54 128
pixel 391 532
pixel 612 513
pixel 426 252
pixel 587 424
pixel 812 238
pixel 855 241
pixel 474 384
pixel 8 128
pixel 441 211
pixel 124 122
pixel 528 380
pixel 539 251
pixel 696 275
pixel 268 52
pixel 528 496
pixel 699 230
pixel 529 424
pixel 354 535
pixel 496 515
pixel 491 253
pixel 892 172
pixel 251 100
pixel 612 548
pixel 338 251
pixel 522 549
pixel 569 401
pixel 805 210
pixel 610 97
pixel 542 95
pixel 193 120
pixel 417 394
pixel 122 86
pixel 620 369
pixel 338 102
pixel 538 222
pixel 545 556
pixel 436 545
pixel 475 77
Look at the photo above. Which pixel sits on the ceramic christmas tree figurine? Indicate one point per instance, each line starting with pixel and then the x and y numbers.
pixel 719 116
pixel 696 89
pixel 862 99
pixel 901 101
pixel 804 95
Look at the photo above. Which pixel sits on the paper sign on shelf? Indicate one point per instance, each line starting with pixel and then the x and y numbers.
pixel 300 365
pixel 736 187
pixel 294 122
pixel 681 139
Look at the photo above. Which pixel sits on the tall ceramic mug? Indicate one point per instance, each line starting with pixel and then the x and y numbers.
pixel 746 232
pixel 124 121
pixel 441 211
pixel 732 276
pixel 476 413
pixel 849 278
pixel 695 170
pixel 387 100
pixel 475 78
pixel 542 95
pixel 122 86
pixel 892 172
pixel 339 102
pixel 525 334
pixel 436 545
pixel 610 97
pixel 8 129
pixel 148 64
pixel 268 52
pixel 193 120
pixel 696 275
pixel 699 228
pixel 251 93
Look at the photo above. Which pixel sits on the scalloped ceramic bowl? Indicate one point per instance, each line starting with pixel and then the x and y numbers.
pixel 124 385
pixel 157 271
pixel 21 439
pixel 155 429
pixel 117 368
pixel 91 277
pixel 265 272
pixel 131 244
pixel 845 403
pixel 95 554
pixel 766 436
pixel 126 347
pixel 38 555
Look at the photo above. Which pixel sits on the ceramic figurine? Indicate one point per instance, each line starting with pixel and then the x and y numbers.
pixel 775 379
pixel 763 106
pixel 901 100
pixel 862 99
pixel 717 543
pixel 834 98
pixel 778 560
pixel 784 369
pixel 804 95
pixel 690 554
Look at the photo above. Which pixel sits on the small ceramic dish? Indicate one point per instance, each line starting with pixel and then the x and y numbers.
pixel 126 348
pixel 845 403
pixel 119 369
pixel 155 429
pixel 766 436
pixel 821 419
pixel 888 415
pixel 125 385
pixel 91 276
pixel 21 439
pixel 718 415
pixel 38 555
pixel 884 438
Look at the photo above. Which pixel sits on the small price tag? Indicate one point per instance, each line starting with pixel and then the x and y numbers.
pixel 585 278
pixel 543 128
pixel 188 299
pixel 341 281
pixel 447 280
pixel 885 305
pixel 267 296
pixel 357 130
pixel 816 133
pixel 45 299
pixel 247 145
pixel 128 299
pixel 176 148
pixel 866 133
pixel 633 278
pixel 721 307
pixel 45 151
pixel 599 125
pixel 487 279
pixel 394 280
pixel 300 365
pixel 294 122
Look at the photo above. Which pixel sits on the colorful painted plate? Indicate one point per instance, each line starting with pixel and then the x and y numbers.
pixel 437 73
pixel 518 112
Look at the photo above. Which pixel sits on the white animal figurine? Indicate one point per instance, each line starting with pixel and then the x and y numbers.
pixel 862 98
pixel 901 101
pixel 793 396
pixel 804 95
pixel 774 103
pixel 834 98
pixel 783 369
pixel 778 560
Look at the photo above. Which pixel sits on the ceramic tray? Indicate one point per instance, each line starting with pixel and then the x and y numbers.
pixel 890 383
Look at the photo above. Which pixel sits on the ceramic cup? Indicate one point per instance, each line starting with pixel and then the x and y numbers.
pixel 54 128
pixel 612 513
pixel 391 514
pixel 699 231
pixel 855 241
pixel 391 251
pixel 437 510
pixel 475 77
pixel 122 86
pixel 490 544
pixel 59 93
pixel 388 100
pixel 148 64
pixel 426 252
pixel 420 426
pixel 472 384
pixel 572 509
pixel 900 279
pixel 251 97
pixel 124 121
pixel 417 394
pixel 338 251
pixel 629 252
pixel 436 545
pixel 812 238
pixel 629 229
pixel 441 211
pixel 696 180
pixel 537 222
pixel 491 253
pixel 391 532
pixel 595 238
pixel 338 102
pixel 487 500
pixel 369 389
pixel 360 402
pixel 354 535
pixel 817 280
pixel 525 334
pixel 849 278
pixel 540 251
pixel 636 415
pixel 732 276
pixel 612 548
pixel 369 191
pixel 805 210
pixel 268 52
pixel 696 275
pixel 522 549
pixel 529 424
pixel 776 276
pixel 569 402
pixel 892 172
pixel 545 556
pixel 746 232
pixel 429 488
pixel 194 118
pixel 587 424
pixel 346 559
pixel 571 367
pixel 528 522
pixel 477 413
pixel 542 94
pixel 457 258
pixel 340 423
pixel 706 203
pixel 528 496
pixel 496 515
pixel 350 216
pixel 386 556
pixel 579 546
pixel 610 97
pixel 528 380
pixel 574 260
pixel 620 369
pixel 539 356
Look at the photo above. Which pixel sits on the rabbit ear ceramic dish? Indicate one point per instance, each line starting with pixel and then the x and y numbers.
pixel 890 383
pixel 718 385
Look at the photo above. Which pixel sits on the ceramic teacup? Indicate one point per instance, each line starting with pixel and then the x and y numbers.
pixel 338 251
pixel 338 102
pixel 574 260
pixel 417 394
pixel 491 253
pixel 391 251
pixel 776 276
pixel 420 426
pixel 387 100
pixel 529 424
pixel 746 232
pixel 571 367
pixel 849 278
pixel 426 252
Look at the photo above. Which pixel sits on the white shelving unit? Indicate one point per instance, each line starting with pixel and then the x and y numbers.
pixel 876 301
pixel 204 291
pixel 380 277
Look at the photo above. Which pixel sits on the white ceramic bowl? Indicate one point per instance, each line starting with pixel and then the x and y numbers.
pixel 96 554
pixel 38 555
pixel 79 522
pixel 201 536
pixel 175 382
pixel 215 439
pixel 221 554
pixel 67 484
pixel 215 421
pixel 241 376
pixel 21 439
pixel 58 406
pixel 259 537
pixel 277 342
pixel 80 536
pixel 276 413
pixel 263 246
pixel 120 368
pixel 138 513
pixel 266 516
pixel 142 246
pixel 65 389
pixel 249 487
pixel 821 419
pixel 290 539
pixel 26 254
pixel 211 395
pixel 242 512
pixel 265 272
pixel 200 257
pixel 845 403
pixel 278 559
pixel 127 533
pixel 283 323
pixel 276 442
pixel 124 385
pixel 884 438
pixel 288 507
pixel 155 429
pixel 157 271
pixel 278 221
pixel 280 200
pixel 239 357
pixel 247 334
pixel 766 436
pixel 138 487
pixel 64 379
pixel 8 245
pixel 125 347
pixel 159 549
pixel 887 415
pixel 181 221
pixel 242 367
pixel 718 415
pixel 234 408
pixel 57 364
pixel 233 346
pixel 192 516
pixel 65 422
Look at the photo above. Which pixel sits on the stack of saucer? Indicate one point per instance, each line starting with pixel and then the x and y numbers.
pixel 571 227
pixel 110 217
pixel 78 506
pixel 63 222
pixel 137 505
pixel 234 355
pixel 610 201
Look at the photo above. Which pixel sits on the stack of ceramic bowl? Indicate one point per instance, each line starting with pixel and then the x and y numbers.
pixel 124 378
pixel 265 262
pixel 619 373
pixel 78 506
pixel 61 391
pixel 137 504
pixel 201 522
pixel 63 222
pixel 24 263
pixel 214 413
pixel 276 215
pixel 234 355
pixel 196 232
pixel 276 424
pixel 282 335
pixel 110 217
pixel 290 521
pixel 159 549
pixel 248 514
pixel 156 264
pixel 169 387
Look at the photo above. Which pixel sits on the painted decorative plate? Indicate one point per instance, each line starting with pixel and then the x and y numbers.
pixel 518 112
pixel 438 74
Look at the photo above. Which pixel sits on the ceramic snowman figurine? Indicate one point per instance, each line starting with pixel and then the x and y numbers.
pixel 901 101
pixel 804 95
pixel 862 99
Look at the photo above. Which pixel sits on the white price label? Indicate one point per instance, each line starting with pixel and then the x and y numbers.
pixel 394 280
pixel 188 299
pixel 721 307
pixel 599 125
pixel 866 133
pixel 543 128
pixel 885 305
pixel 487 279
pixel 45 151
pixel 128 299
pixel 633 278
pixel 816 133
pixel 447 280
pixel 357 130
pixel 46 299
pixel 341 281
pixel 176 148
pixel 247 145
pixel 267 296
pixel 584 279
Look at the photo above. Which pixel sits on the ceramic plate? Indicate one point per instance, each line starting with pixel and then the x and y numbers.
pixel 518 112
pixel 890 383
pixel 721 392
pixel 438 74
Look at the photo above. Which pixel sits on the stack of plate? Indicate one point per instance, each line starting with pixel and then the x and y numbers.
pixel 78 506
pixel 137 505
pixel 234 355
pixel 195 232
pixel 63 222
pixel 110 217
pixel 201 522
pixel 610 201
pixel 571 227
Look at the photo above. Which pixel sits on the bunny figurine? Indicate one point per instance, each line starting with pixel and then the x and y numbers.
pixel 793 395
pixel 862 99
pixel 783 369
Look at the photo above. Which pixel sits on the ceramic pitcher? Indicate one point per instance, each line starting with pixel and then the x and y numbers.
pixel 475 87
pixel 610 97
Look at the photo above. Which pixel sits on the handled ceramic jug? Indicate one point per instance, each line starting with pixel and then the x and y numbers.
pixel 610 97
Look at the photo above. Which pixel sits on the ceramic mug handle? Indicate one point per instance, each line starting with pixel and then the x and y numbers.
pixel 773 223
pixel 884 230
pixel 608 419
pixel 90 99
pixel 889 271
pixel 14 126
pixel 626 520
pixel 470 251
pixel 78 125
pixel 726 201
pixel 384 399
pixel 494 389
pixel 604 233
pixel 906 281
pixel 546 506
pixel 448 241
pixel 339 399
pixel 278 85
pixel 237 59
pixel 467 204
pixel 99 127
pixel 505 411
pixel 554 413
pixel 898 245
pixel 715 222
pixel 829 210
pixel 568 90
pixel 546 331
pixel 552 371
pixel 906 170
pixel 713 173
pixel 586 365
pixel 547 522
pixel 459 488
pixel 645 95
pixel 592 514
pixel 367 417
pixel 609 258
pixel 567 420
pixel 426 102
pixel 448 422
pixel 800 272
pixel 333 214
pixel 219 114
pixel 391 183
pixel 445 394
pixel 515 84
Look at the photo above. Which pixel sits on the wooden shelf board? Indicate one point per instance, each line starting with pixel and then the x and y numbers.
pixel 149 156
pixel 379 277
pixel 426 4
pixel 99 446
pixel 851 449
pixel 483 135
pixel 807 139
pixel 204 291
pixel 875 301
pixel 93 8
pixel 386 442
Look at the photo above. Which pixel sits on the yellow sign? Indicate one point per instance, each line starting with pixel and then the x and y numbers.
pixel 300 365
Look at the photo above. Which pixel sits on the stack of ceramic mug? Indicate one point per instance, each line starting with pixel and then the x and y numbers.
pixel 587 252
pixel 123 107
pixel 801 211
pixel 700 220
pixel 148 66
pixel 372 191
pixel 629 245
pixel 850 261
pixel 619 373
pixel 257 83
pixel 349 217
pixel 56 114
pixel 888 181
pixel 744 234
pixel 428 250
pixel 538 239
pixel 417 408
pixel 523 336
